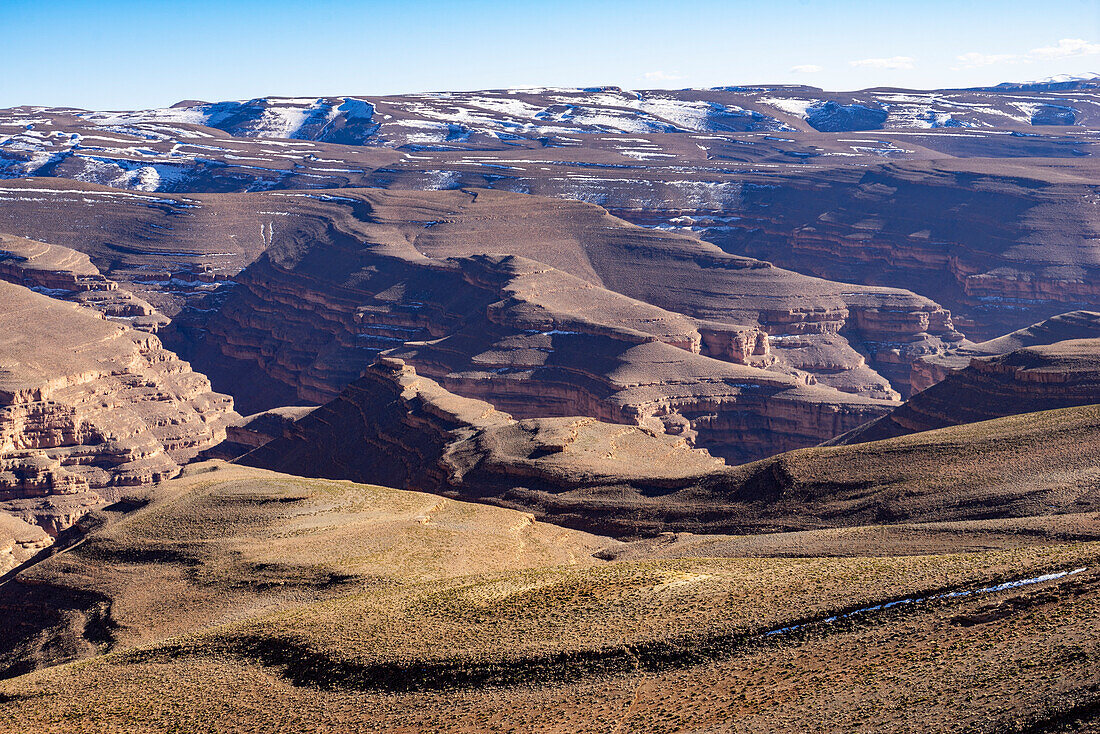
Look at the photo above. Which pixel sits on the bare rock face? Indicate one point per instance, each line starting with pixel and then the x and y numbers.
pixel 814 325
pixel 396 428
pixel 250 432
pixel 1030 379
pixel 933 368
pixel 999 243
pixel 551 308
pixel 64 273
pixel 87 406
pixel 19 541
pixel 404 430
pixel 163 250
pixel 174 250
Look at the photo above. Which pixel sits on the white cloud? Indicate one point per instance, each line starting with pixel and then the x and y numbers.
pixel 660 76
pixel 1065 48
pixel 974 59
pixel 894 62
pixel 806 69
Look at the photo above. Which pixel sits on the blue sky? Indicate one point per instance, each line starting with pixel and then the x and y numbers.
pixel 122 54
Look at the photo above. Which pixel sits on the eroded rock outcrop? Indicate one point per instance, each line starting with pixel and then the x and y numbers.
pixel 404 430
pixel 19 541
pixel 87 406
pixel 982 200
pixel 541 353
pixel 64 273
pixel 253 431
pixel 929 370
pixel 548 307
pixel 999 243
pixel 396 428
pixel 1027 380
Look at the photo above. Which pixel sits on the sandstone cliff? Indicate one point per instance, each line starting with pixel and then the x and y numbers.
pixel 87 405
pixel 999 243
pixel 61 272
pixel 180 252
pixel 933 368
pixel 19 541
pixel 545 307
pixel 397 428
pixel 1030 379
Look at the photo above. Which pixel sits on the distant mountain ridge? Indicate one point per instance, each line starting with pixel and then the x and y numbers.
pixel 1056 83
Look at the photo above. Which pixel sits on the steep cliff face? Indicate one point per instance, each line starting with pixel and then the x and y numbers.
pixel 998 243
pixel 175 251
pixel 64 273
pixel 1030 379
pixel 971 197
pixel 998 234
pixel 19 541
pixel 929 370
pixel 404 430
pixel 397 428
pixel 682 274
pixel 87 405
pixel 533 358
pixel 547 307
pixel 612 321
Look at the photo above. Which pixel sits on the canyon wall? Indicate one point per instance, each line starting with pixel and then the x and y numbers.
pixel 87 406
pixel 552 308
pixel 395 427
pixel 1027 380
pixel 933 368
pixel 61 272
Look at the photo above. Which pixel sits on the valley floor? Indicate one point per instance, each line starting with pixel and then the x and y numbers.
pixel 241 600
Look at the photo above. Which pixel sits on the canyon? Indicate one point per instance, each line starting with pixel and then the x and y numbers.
pixel 404 430
pixel 750 270
pixel 553 409
pixel 742 357
pixel 1027 380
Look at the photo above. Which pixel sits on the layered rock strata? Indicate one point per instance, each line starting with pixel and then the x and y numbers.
pixel 933 368
pixel 405 430
pixel 64 273
pixel 1000 243
pixel 250 432
pixel 397 428
pixel 1030 379
pixel 545 307
pixel 981 199
pixel 179 250
pixel 19 541
pixel 87 406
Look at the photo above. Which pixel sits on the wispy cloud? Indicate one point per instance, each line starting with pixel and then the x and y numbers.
pixel 1065 48
pixel 974 59
pixel 661 76
pixel 806 69
pixel 893 62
